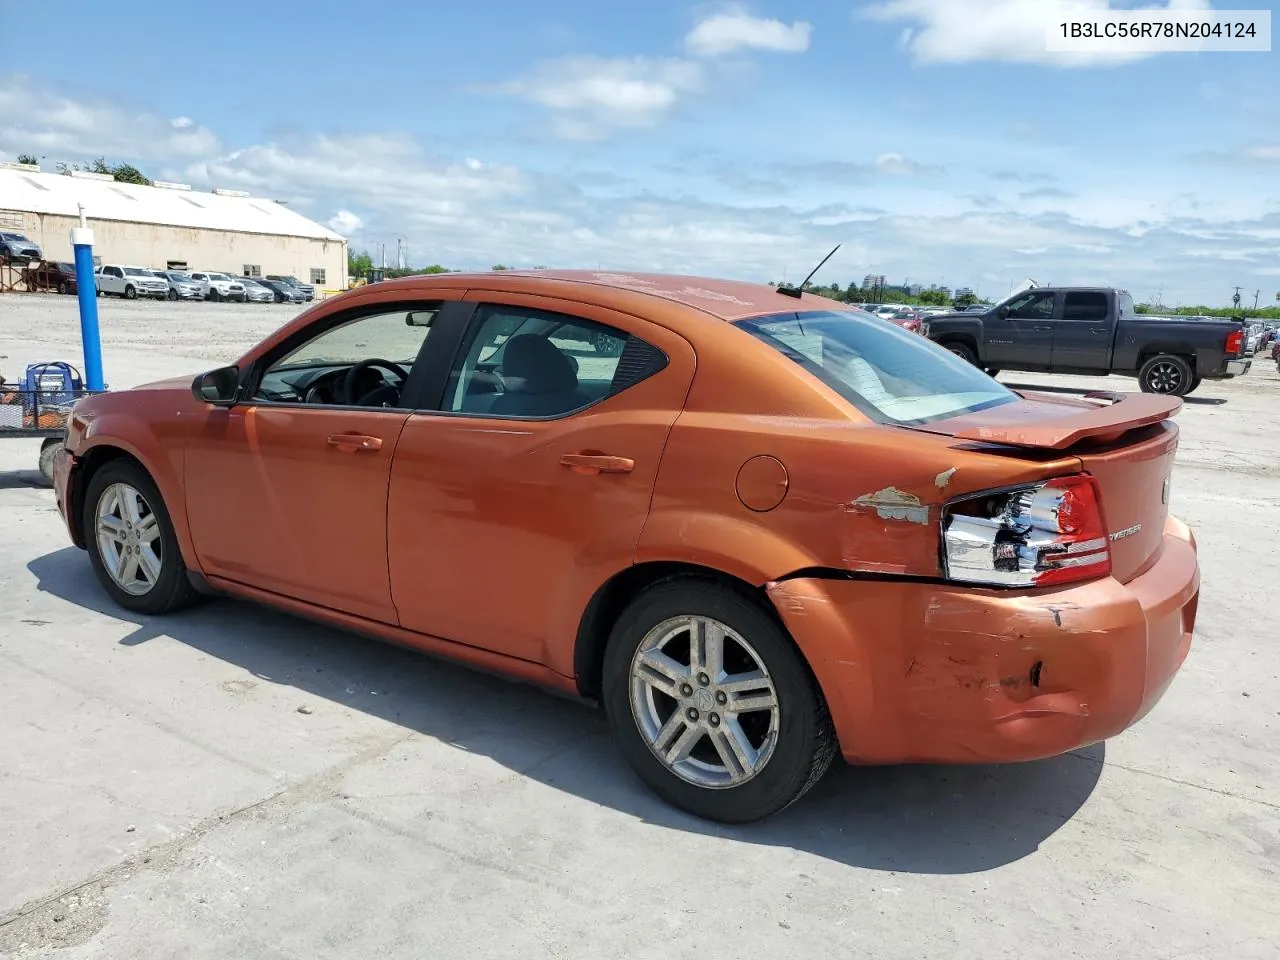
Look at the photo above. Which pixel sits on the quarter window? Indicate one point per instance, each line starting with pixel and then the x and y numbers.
pixel 535 364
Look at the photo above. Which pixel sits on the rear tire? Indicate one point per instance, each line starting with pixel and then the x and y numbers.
pixel 131 541
pixel 63 288
pixel 729 765
pixel 1166 373
pixel 963 352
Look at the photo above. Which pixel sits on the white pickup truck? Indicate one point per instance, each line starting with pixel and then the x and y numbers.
pixel 218 286
pixel 130 282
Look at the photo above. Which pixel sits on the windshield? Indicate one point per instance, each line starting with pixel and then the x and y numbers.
pixel 888 373
pixel 67 267
pixel 135 272
pixel 217 276
pixel 179 277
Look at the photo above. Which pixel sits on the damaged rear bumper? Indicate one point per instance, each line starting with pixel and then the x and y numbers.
pixel 923 672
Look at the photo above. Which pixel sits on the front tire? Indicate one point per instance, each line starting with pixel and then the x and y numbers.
pixel 130 293
pixel 63 288
pixel 131 541
pixel 711 703
pixel 171 295
pixel 1166 373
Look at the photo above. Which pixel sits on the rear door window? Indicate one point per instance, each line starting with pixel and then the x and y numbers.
pixel 526 363
pixel 1088 306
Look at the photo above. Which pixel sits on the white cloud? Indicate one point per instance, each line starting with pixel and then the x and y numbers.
pixel 34 119
pixel 467 215
pixel 346 223
pixel 967 31
pixel 736 29
pixel 590 96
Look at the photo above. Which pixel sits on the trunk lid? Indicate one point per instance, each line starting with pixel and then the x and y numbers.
pixel 1125 441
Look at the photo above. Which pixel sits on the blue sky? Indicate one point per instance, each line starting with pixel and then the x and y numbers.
pixel 937 139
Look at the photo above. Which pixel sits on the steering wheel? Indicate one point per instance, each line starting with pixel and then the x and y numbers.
pixel 353 375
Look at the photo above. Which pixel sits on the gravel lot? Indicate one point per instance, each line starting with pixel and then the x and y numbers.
pixel 233 783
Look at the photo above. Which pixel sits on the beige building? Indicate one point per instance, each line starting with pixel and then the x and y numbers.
pixel 170 226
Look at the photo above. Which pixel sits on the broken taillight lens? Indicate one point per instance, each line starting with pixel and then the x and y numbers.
pixel 1033 536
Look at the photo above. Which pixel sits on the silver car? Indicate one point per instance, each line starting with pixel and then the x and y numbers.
pixel 181 286
pixel 255 292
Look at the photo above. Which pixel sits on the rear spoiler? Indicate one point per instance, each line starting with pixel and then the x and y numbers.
pixel 1112 415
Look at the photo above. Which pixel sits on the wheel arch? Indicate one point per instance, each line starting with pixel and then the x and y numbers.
pixel 1177 348
pixel 94 457
pixel 614 595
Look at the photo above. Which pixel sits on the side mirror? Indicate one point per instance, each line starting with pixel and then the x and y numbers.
pixel 217 387
pixel 1002 312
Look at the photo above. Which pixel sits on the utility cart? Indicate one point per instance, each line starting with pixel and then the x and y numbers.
pixel 39 406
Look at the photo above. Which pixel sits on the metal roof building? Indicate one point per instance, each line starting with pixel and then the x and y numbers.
pixel 170 226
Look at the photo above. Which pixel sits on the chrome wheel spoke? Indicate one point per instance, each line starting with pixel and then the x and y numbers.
pixel 661 672
pixel 680 748
pixel 706 648
pixel 736 751
pixel 148 528
pixel 749 691
pixel 149 563
pixel 112 527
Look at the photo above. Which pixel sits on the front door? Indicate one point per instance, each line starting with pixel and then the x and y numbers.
pixel 287 491
pixel 1082 335
pixel 1024 339
pixel 530 486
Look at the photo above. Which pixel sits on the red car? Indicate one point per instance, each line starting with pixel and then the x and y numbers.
pixel 50 275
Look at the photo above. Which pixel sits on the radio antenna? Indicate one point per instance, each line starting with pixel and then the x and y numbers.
pixel 789 291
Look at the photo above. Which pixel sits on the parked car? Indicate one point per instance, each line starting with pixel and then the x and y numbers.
pixel 182 286
pixel 284 293
pixel 1095 330
pixel 307 290
pixel 50 275
pixel 967 575
pixel 130 282
pixel 15 246
pixel 218 286
pixel 255 292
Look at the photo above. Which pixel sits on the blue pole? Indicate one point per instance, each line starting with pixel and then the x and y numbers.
pixel 87 292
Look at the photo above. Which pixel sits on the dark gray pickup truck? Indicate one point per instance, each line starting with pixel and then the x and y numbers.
pixel 1094 330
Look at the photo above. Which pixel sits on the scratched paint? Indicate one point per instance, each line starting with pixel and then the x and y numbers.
pixel 944 478
pixel 893 504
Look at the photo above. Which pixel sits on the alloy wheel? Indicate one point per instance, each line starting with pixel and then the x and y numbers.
pixel 1164 377
pixel 129 541
pixel 704 702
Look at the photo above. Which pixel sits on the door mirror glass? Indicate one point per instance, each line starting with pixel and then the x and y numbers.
pixel 1002 312
pixel 217 386
pixel 419 318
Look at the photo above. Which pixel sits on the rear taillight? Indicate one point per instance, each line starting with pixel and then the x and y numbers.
pixel 1033 536
pixel 1235 342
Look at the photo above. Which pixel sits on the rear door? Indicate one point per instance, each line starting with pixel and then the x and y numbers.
pixel 530 484
pixel 111 280
pixel 1024 339
pixel 1082 331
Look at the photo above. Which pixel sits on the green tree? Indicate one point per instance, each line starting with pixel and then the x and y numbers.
pixel 359 264
pixel 965 300
pixel 933 298
pixel 499 266
pixel 128 173
pixel 434 268
pixel 30 159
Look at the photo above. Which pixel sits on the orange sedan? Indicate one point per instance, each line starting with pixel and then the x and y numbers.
pixel 759 527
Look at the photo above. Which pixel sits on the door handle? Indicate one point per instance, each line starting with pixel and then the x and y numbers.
pixel 593 463
pixel 352 442
pixel 1043 328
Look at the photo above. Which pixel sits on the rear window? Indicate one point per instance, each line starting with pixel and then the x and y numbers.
pixel 889 374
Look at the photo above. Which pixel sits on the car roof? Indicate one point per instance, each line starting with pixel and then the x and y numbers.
pixel 725 299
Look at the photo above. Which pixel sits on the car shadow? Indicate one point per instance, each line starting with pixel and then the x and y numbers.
pixel 910 819
pixel 1044 388
pixel 16 479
